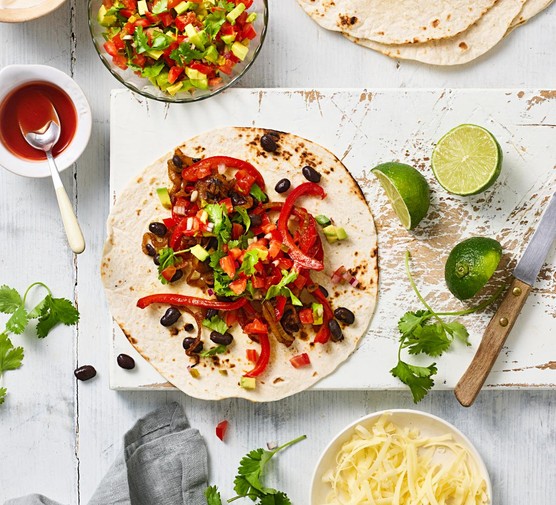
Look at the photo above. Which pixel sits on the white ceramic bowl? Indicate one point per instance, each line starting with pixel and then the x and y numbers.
pixel 14 76
pixel 20 11
pixel 427 424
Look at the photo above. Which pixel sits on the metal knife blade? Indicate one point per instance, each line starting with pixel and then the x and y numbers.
pixel 533 258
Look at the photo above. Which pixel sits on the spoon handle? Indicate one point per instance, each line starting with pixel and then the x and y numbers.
pixel 73 230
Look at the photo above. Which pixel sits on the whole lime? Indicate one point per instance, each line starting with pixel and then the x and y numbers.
pixel 470 265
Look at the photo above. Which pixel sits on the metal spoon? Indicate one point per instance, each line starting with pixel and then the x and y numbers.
pixel 45 139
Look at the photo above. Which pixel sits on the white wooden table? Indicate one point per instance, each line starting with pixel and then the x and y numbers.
pixel 58 437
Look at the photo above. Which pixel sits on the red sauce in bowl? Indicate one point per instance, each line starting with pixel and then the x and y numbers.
pixel 29 106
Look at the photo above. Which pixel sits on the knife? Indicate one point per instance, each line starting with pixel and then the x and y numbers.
pixel 499 327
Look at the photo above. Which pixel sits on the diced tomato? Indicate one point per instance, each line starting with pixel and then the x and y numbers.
pixel 274 248
pixel 237 231
pixel 248 32
pixel 227 67
pixel 187 19
pixel 166 18
pixel 268 227
pixel 306 316
pixel 300 282
pixel 256 327
pixel 227 201
pixel 142 22
pixel 252 355
pixel 108 3
pixel 285 264
pixel 153 18
pixel 238 286
pixel 214 81
pixel 126 13
pixel 300 360
pixel 235 252
pixel 240 20
pixel 120 61
pixel 230 318
pixel 259 267
pixel 201 67
pixel 228 264
pixel 118 42
pixel 139 60
pixel 258 281
pixel 110 48
pixel 244 181
pixel 274 278
pixel 221 429
pixel 323 335
pixel 128 29
pixel 130 4
pixel 171 222
pixel 227 29
pixel 174 73
pixel 247 3
pixel 168 273
pixel 279 307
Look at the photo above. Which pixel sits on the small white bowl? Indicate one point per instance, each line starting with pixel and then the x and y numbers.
pixel 428 426
pixel 14 76
pixel 18 12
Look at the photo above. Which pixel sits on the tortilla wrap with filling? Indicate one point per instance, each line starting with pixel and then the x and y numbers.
pixel 396 21
pixel 462 48
pixel 128 274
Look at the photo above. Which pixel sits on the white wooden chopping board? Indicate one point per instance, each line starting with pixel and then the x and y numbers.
pixel 364 128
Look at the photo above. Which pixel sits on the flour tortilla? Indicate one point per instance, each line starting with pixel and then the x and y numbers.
pixel 397 21
pixel 530 9
pixel 462 48
pixel 128 274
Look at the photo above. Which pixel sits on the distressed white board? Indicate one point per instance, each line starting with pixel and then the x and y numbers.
pixel 364 128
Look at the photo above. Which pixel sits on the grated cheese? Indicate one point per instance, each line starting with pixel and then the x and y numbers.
pixel 388 465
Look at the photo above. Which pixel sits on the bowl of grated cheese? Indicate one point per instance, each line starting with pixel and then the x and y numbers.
pixel 400 457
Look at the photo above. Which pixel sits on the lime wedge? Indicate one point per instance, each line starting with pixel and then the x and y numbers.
pixel 407 191
pixel 467 160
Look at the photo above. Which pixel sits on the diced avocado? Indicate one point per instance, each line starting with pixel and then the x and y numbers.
pixel 199 251
pixel 200 83
pixel 318 312
pixel 164 197
pixel 323 220
pixel 194 74
pixel 252 17
pixel 223 372
pixel 194 373
pixel 341 233
pixel 194 37
pixel 248 382
pixel 154 53
pixel 182 7
pixel 142 7
pixel 330 233
pixel 162 81
pixel 212 54
pixel 239 50
pixel 105 19
pixel 174 88
pixel 228 39
pixel 133 18
pixel 235 13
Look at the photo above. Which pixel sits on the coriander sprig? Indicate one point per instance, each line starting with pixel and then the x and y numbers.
pixel 426 332
pixel 48 312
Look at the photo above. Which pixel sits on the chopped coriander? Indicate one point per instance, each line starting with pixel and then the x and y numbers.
pixel 258 193
pixel 282 289
pixel 216 323
pixel 213 351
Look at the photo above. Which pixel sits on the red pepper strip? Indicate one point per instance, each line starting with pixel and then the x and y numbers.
pixel 300 258
pixel 177 234
pixel 264 357
pixel 280 305
pixel 308 233
pixel 323 335
pixel 192 301
pixel 204 167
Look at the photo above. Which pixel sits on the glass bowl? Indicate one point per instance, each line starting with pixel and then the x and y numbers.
pixel 144 87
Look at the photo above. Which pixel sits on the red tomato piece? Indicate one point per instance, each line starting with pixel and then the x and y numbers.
pixel 166 18
pixel 201 67
pixel 274 248
pixel 227 201
pixel 240 20
pixel 126 13
pixel 130 4
pixel 306 316
pixel 153 18
pixel 247 3
pixel 228 264
pixel 142 22
pixel 235 252
pixel 252 355
pixel 170 222
pixel 279 307
pixel 110 48
pixel 139 60
pixel 230 318
pixel 227 29
pixel 285 264
pixel 174 73
pixel 248 32
pixel 227 67
pixel 258 281
pixel 244 181
pixel 221 429
pixel 300 360
pixel 120 61
pixel 168 273
pixel 256 327
pixel 215 81
pixel 300 282
pixel 237 231
pixel 238 286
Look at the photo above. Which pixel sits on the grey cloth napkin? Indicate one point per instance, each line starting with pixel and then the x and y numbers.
pixel 164 462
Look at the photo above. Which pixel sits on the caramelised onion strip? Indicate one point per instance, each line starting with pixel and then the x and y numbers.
pixel 199 322
pixel 275 327
pixel 156 242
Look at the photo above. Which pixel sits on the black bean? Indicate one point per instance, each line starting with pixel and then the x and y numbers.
pixel 335 330
pixel 188 341
pixel 268 143
pixel 158 229
pixel 211 313
pixel 177 161
pixel 282 185
pixel 238 199
pixel 125 361
pixel 171 315
pixel 256 220
pixel 221 339
pixel 156 259
pixel 150 249
pixel 344 315
pixel 189 327
pixel 85 372
pixel 310 174
pixel 323 290
pixel 177 276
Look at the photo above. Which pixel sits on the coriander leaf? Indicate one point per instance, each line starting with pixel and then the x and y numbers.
pixel 227 6
pixel 430 339
pixel 141 41
pixel 215 258
pixel 18 321
pixel 3 392
pixel 241 242
pixel 218 215
pixel 10 300
pixel 458 331
pixel 213 351
pixel 36 312
pixel 250 259
pixel 213 23
pixel 160 41
pixel 185 53
pixel 418 378
pixel 213 496
pixel 53 312
pixel 243 214
pixel 275 499
pixel 410 320
pixel 216 323
pixel 152 70
pixel 221 283
pixel 166 258
pixel 160 7
pixel 282 289
pixel 10 356
pixel 258 193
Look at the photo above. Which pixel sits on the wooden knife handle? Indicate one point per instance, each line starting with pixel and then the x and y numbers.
pixel 494 337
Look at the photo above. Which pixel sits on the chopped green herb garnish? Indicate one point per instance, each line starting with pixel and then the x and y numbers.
pixel 258 193
pixel 216 323
pixel 282 289
pixel 213 351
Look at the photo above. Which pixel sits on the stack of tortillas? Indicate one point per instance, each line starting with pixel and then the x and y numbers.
pixel 439 32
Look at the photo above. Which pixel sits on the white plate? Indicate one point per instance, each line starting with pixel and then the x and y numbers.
pixel 18 11
pixel 428 426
